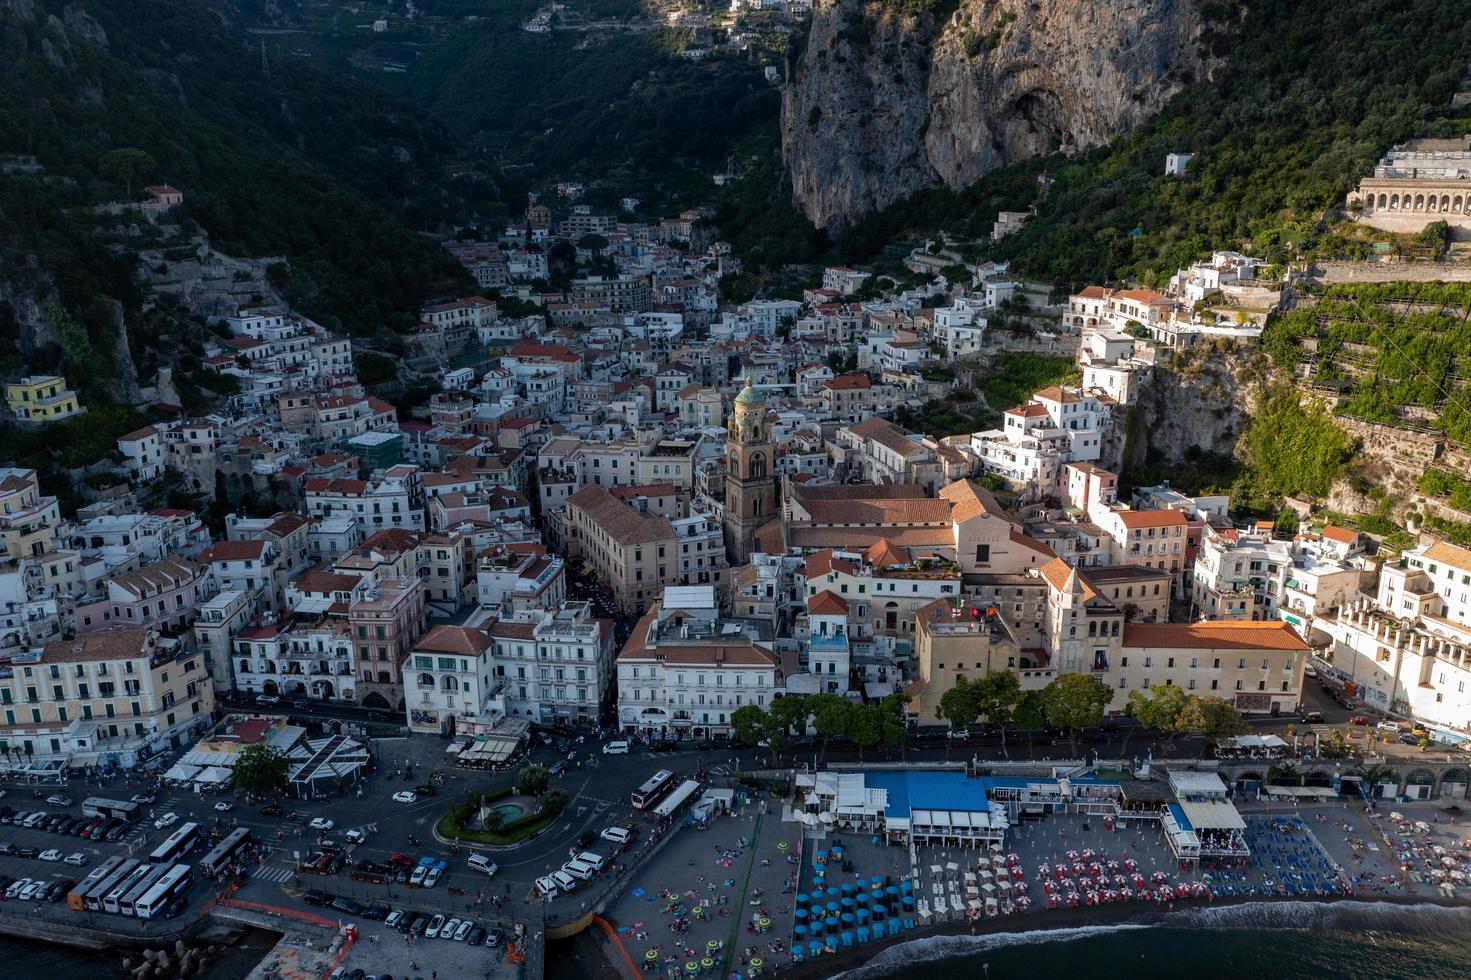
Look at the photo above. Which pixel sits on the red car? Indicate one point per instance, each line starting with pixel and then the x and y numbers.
pixel 402 860
pixel 1358 720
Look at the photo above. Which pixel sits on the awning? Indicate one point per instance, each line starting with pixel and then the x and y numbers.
pixel 181 773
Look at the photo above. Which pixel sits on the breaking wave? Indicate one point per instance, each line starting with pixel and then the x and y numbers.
pixel 945 947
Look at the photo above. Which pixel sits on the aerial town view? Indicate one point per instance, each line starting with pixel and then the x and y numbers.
pixel 716 489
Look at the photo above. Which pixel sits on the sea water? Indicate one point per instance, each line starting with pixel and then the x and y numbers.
pixel 1277 940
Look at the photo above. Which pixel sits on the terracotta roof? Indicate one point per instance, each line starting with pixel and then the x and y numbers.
pixel 1133 519
pixel 848 382
pixel 164 574
pixel 884 552
pixel 827 603
pixel 1139 295
pixel 234 551
pixel 1058 573
pixel 845 537
pixel 513 631
pixel 888 435
pixel 1215 635
pixel 624 524
pixel 324 580
pixel 1027 541
pixel 111 644
pixel 1056 393
pixel 463 640
pixel 1093 292
pixel 1449 554
pixel 1341 535
pixel 885 513
pixel 972 500
pixel 861 491
pixel 1029 411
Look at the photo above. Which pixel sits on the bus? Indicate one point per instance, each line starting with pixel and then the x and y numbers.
pixel 677 799
pixel 99 891
pixel 97 806
pixel 179 843
pixel 113 899
pixel 77 898
pixel 169 887
pixel 648 794
pixel 140 888
pixel 224 852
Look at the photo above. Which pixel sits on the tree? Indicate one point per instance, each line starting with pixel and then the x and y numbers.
pixel 533 780
pixel 1211 716
pixel 786 713
pixel 261 769
pixel 997 696
pixel 750 724
pixel 961 704
pixel 127 164
pixel 493 820
pixel 1074 701
pixel 831 716
pixel 555 801
pixel 864 726
pixel 593 243
pixel 1159 708
pixel 1335 745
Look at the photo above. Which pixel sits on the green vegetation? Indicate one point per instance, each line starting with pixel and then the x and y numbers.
pixel 1455 489
pixel 1302 101
pixel 1393 346
pixel 261 769
pixel 1293 449
pixel 1171 710
pixel 326 173
pixel 1074 701
pixel 1013 378
pixel 458 823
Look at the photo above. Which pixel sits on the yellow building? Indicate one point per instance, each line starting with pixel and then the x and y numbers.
pixel 116 693
pixel 42 398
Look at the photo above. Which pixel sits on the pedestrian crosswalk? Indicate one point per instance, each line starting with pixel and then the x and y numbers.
pixel 276 873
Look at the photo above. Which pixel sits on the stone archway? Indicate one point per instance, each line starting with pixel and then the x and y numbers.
pixel 1453 783
pixel 1420 784
pixel 1248 777
pixel 1318 777
pixel 271 688
pixel 376 700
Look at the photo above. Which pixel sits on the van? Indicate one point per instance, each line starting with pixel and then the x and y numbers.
pixel 616 835
pixel 588 857
pixel 546 887
pixel 580 869
pixel 564 881
pixel 483 864
pixel 616 748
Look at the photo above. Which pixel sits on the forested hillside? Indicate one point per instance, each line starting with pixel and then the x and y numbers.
pixel 1303 97
pixel 602 97
pixel 275 160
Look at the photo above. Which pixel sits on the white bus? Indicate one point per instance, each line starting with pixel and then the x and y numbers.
pixel 113 900
pixel 77 900
pixel 171 885
pixel 677 799
pixel 648 794
pixel 97 806
pixel 224 852
pixel 141 887
pixel 104 887
pixel 179 843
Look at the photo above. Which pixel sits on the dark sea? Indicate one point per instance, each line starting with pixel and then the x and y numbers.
pixel 1277 940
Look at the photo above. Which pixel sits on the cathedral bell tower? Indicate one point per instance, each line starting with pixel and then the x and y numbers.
pixel 750 480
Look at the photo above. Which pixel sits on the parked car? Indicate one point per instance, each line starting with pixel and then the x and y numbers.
pixel 666 746
pixel 76 859
pixel 416 879
pixel 51 854
pixel 7 848
pixel 404 796
pixel 1358 720
pixel 29 853
pixel 463 930
pixel 143 798
pixel 315 897
pixel 60 800
pixel 958 734
pixel 167 820
pixel 344 904
pixel 427 789
pixel 476 937
pixel 267 699
pixel 396 919
pixel 432 878
pixel 447 931
pixel 483 864
pixel 1389 726
pixel 402 860
pixel 435 924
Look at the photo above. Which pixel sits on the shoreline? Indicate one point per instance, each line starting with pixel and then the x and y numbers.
pixel 1082 917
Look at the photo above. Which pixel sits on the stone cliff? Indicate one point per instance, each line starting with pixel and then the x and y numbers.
pixel 881 104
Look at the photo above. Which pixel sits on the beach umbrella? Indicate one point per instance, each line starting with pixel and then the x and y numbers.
pixel 799 931
pixel 800 914
pixel 832 906
pixel 651 955
pixel 831 922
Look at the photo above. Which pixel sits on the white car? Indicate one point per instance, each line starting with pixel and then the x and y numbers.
pixel 167 820
pixel 224 807
pixel 435 924
pixel 267 699
pixel 404 796
pixel 77 858
pixel 432 878
pixel 355 836
pixel 52 855
pixel 463 930
pixel 322 823
pixel 416 880
pixel 447 931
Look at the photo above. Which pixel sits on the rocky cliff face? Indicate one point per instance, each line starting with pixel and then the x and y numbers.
pixel 880 105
